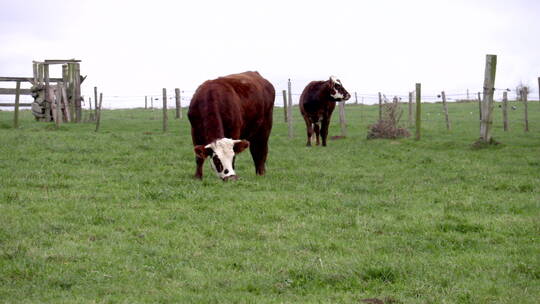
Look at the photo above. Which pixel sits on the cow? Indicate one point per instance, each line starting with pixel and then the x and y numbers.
pixel 228 115
pixel 317 103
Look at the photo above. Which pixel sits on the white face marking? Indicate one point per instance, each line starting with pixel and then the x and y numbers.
pixel 224 151
pixel 336 94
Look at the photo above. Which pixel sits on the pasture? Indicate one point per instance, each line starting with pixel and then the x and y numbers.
pixel 115 216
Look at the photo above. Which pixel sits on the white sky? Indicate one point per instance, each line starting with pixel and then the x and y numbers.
pixel 135 48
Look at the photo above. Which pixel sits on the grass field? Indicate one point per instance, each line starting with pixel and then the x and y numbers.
pixel 115 216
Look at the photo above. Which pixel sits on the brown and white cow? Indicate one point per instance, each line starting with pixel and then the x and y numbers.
pixel 227 115
pixel 317 103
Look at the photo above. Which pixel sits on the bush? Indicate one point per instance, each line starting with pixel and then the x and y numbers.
pixel 388 126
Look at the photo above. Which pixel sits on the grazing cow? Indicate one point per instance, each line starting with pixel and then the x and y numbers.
pixel 317 103
pixel 227 115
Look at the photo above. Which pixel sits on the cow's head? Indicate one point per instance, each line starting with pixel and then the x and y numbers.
pixel 337 91
pixel 222 153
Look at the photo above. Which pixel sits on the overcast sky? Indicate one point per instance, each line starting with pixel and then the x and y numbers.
pixel 135 48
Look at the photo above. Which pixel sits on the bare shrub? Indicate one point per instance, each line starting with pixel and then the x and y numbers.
pixel 388 126
pixel 522 90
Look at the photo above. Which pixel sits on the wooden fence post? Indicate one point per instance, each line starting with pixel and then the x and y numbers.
pixel 362 109
pixel 289 111
pixel 35 71
pixel 505 110
pixel 418 110
pixel 284 105
pixel 96 102
pixel 66 105
pixel 58 104
pixel 41 73
pixel 487 103
pixel 70 87
pixel 145 102
pixel 77 91
pixel 70 107
pixel 355 98
pixel 380 106
pixel 539 89
pixel 524 93
pixel 16 111
pixel 98 111
pixel 479 108
pixel 178 103
pixel 445 107
pixel 47 94
pixel 342 122
pixel 410 108
pixel 165 117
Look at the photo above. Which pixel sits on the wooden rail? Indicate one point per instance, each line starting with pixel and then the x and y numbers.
pixel 2 104
pixel 14 91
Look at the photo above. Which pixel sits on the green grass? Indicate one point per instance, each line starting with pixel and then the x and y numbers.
pixel 115 216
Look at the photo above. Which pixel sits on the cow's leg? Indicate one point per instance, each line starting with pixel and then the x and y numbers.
pixel 317 132
pixel 324 131
pixel 309 128
pixel 259 151
pixel 199 168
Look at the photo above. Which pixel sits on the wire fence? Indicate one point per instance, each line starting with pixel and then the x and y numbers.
pixel 155 99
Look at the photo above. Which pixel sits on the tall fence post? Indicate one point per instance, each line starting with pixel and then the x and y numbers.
pixel 445 107
pixel 487 103
pixel 380 106
pixel 65 79
pixel 58 104
pixel 284 105
pixel 524 93
pixel 480 108
pixel 178 103
pixel 98 111
pixel 505 110
pixel 165 118
pixel 418 110
pixel 362 109
pixel 289 110
pixel 16 111
pixel 96 102
pixel 65 102
pixel 145 102
pixel 355 98
pixel 35 71
pixel 77 91
pixel 539 89
pixel 72 90
pixel 41 72
pixel 47 94
pixel 342 121
pixel 410 108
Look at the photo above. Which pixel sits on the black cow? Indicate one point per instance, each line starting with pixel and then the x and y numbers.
pixel 317 103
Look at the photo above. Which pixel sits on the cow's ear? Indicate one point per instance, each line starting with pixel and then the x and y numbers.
pixel 202 151
pixel 240 145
